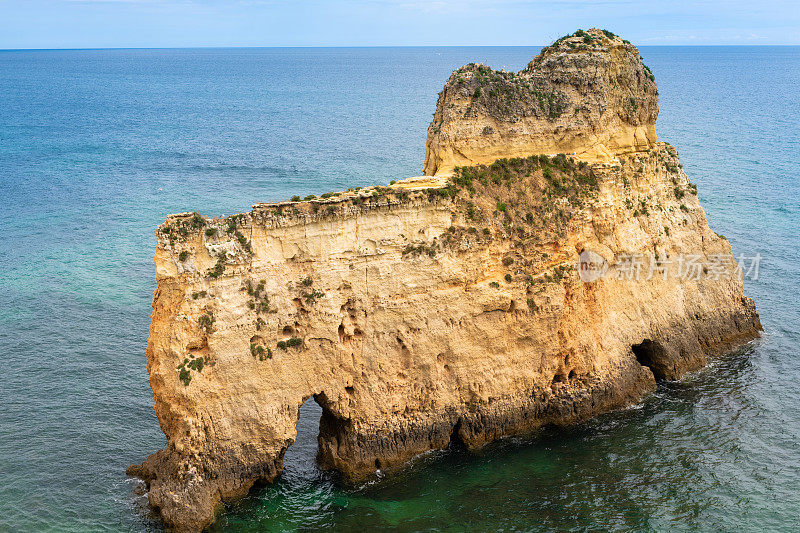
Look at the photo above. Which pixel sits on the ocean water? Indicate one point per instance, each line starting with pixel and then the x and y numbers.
pixel 98 146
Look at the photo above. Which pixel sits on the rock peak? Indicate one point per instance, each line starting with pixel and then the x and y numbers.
pixel 587 94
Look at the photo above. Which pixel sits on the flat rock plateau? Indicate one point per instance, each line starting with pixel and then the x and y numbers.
pixel 447 308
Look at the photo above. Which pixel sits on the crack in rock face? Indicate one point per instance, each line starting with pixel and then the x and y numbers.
pixel 485 301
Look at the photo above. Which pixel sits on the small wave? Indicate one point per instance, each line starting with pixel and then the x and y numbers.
pixel 784 209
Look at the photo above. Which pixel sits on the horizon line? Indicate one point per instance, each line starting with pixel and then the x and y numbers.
pixel 223 47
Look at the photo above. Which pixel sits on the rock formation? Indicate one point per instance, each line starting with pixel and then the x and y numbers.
pixel 443 310
pixel 588 93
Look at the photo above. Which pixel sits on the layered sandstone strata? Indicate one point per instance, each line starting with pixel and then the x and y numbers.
pixel 437 311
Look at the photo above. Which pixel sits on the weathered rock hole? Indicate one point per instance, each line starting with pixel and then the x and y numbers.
pixel 652 355
pixel 288 330
pixel 456 442
pixel 299 461
pixel 572 374
pixel 560 377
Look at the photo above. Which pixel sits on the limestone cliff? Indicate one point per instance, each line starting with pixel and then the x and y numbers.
pixel 588 93
pixel 438 311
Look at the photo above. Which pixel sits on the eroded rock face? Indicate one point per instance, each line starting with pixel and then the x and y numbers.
pixel 420 316
pixel 587 94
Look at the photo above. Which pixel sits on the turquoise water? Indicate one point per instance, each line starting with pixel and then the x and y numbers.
pixel 96 147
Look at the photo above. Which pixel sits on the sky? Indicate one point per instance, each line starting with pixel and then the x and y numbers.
pixel 190 23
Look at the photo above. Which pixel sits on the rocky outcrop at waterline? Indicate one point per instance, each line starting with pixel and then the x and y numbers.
pixel 445 309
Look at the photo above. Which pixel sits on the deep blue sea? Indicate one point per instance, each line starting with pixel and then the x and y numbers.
pixel 98 146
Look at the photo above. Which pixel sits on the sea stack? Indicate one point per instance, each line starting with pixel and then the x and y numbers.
pixel 553 264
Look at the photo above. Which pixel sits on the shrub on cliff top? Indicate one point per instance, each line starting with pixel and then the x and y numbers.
pixel 541 192
pixel 197 221
pixel 449 191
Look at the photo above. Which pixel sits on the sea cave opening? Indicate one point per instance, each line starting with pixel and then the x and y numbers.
pixel 300 459
pixel 652 355
pixel 456 441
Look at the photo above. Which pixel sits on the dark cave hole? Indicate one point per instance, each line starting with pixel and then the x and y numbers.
pixel 456 442
pixel 652 355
